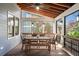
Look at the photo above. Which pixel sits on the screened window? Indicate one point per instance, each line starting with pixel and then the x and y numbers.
pixel 59 24
pixel 32 23
pixel 16 26
pixel 72 21
pixel 13 25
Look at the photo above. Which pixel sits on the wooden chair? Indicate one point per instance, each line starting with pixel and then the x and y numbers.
pixel 54 41
pixel 24 42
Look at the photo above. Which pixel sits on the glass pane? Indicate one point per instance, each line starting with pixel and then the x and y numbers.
pixel 42 27
pixel 72 24
pixel 10 25
pixel 26 27
pixel 31 25
pixel 59 26
pixel 16 26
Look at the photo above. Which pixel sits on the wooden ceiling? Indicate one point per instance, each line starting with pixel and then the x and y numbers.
pixel 46 9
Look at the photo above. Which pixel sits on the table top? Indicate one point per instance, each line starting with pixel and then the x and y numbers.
pixel 38 38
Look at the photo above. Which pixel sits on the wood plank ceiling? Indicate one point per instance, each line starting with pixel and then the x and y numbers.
pixel 46 9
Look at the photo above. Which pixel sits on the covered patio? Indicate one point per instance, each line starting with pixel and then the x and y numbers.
pixel 39 29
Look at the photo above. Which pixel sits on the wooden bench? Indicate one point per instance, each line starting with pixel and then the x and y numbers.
pixel 38 43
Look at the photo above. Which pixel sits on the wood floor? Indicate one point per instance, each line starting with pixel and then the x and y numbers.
pixel 18 52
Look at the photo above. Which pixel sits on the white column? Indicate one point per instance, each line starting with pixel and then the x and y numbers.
pixel 43 26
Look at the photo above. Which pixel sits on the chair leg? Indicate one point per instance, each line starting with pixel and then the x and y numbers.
pixel 22 47
pixel 49 48
pixel 55 46
pixel 27 49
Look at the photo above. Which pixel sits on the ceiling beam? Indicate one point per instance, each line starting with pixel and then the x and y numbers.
pixel 54 7
pixel 61 5
pixel 48 11
pixel 53 10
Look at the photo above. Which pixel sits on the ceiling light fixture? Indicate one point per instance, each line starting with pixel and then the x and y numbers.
pixel 37 8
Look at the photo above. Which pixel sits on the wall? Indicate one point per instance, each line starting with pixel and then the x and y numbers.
pixel 5 43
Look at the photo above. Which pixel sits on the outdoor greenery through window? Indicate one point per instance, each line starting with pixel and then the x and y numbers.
pixel 33 23
pixel 72 24
pixel 41 27
pixel 13 25
pixel 37 27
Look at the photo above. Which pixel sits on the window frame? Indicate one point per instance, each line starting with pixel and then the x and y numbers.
pixel 65 27
pixel 13 29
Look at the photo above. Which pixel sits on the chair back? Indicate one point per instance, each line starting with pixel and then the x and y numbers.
pixel 23 39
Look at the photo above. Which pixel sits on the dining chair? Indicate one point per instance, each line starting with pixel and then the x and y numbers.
pixel 53 40
pixel 24 41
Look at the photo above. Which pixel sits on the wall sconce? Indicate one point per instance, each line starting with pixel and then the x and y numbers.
pixel 61 22
pixel 32 24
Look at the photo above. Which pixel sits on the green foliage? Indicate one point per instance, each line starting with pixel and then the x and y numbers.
pixel 37 29
pixel 75 32
pixel 48 27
